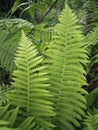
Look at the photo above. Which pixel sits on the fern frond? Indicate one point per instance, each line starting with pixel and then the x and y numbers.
pixel 10 34
pixel 92 42
pixel 7 128
pixel 42 37
pixel 92 37
pixel 27 124
pixel 4 125
pixel 8 114
pixel 30 83
pixel 91 121
pixel 10 118
pixel 66 73
pixel 15 23
pixel 30 124
pixel 7 51
pixel 4 90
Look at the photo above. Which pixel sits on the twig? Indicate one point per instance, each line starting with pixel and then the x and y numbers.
pixel 48 11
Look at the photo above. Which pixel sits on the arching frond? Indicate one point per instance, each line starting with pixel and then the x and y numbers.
pixel 15 23
pixel 66 73
pixel 30 84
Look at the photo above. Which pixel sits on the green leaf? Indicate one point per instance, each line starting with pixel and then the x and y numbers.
pixel 6 128
pixel 31 85
pixel 67 54
pixel 13 116
pixel 15 6
pixel 3 123
pixel 31 9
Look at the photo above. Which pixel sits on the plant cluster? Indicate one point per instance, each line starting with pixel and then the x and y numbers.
pixel 48 72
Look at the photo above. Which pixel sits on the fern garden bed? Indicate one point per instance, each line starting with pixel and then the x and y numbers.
pixel 47 72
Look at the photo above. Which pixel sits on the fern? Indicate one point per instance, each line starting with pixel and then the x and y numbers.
pixel 10 33
pixel 10 119
pixel 92 46
pixel 4 124
pixel 30 88
pixel 4 90
pixel 66 73
pixel 15 23
pixel 42 37
pixel 45 98
pixel 7 116
pixel 7 51
pixel 92 38
pixel 91 121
